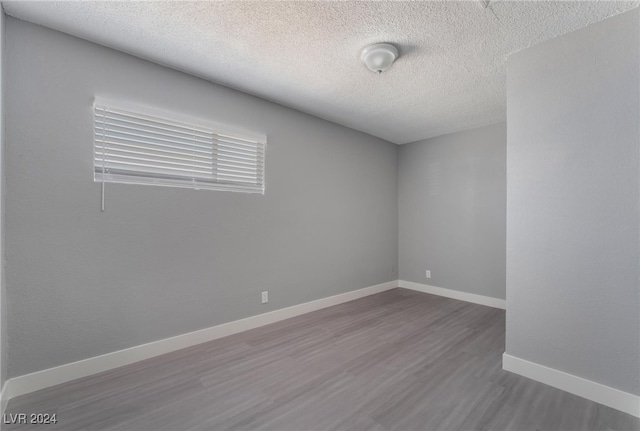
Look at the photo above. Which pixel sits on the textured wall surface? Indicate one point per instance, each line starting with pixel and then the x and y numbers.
pixel 573 203
pixel 452 211
pixel 164 261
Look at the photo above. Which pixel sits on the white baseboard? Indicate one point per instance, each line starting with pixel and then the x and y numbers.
pixel 455 294
pixel 610 397
pixel 53 376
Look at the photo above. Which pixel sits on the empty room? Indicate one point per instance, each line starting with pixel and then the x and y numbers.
pixel 318 215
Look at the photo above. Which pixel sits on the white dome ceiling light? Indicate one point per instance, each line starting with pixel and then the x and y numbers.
pixel 379 57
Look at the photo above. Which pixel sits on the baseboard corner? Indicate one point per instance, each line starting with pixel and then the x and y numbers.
pixel 455 294
pixel 590 390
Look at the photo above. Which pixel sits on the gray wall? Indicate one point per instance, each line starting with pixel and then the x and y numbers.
pixel 164 261
pixel 452 199
pixel 573 203
pixel 3 302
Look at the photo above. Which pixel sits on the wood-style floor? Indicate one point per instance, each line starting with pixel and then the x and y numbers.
pixel 399 360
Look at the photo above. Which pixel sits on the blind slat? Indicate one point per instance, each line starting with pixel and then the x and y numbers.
pixel 177 182
pixel 160 123
pixel 158 128
pixel 234 168
pixel 236 151
pixel 155 154
pixel 115 140
pixel 137 148
pixel 235 142
pixel 141 136
pixel 121 164
pixel 236 158
pixel 117 158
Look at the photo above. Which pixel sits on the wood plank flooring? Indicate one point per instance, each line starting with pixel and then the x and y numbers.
pixel 398 360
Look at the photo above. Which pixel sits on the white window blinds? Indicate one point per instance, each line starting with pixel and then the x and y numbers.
pixel 135 148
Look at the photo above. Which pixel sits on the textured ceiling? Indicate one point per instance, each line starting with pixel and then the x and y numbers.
pixel 450 75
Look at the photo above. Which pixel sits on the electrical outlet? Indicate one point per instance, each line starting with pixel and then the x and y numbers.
pixel 265 296
pixel 428 273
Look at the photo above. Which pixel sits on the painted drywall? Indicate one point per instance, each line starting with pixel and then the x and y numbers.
pixel 573 203
pixel 452 211
pixel 165 261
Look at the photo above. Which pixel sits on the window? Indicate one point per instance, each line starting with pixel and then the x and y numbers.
pixel 135 148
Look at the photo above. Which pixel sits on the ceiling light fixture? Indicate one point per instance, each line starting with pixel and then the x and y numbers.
pixel 379 57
